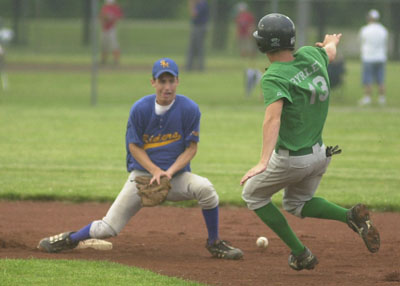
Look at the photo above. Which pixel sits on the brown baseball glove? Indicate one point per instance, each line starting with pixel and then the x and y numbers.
pixel 154 194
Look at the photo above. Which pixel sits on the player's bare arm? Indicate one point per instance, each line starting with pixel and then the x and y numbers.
pixel 141 156
pixel 329 44
pixel 271 125
pixel 301 158
pixel 183 159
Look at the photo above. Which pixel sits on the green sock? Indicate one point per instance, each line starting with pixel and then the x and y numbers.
pixel 273 217
pixel 321 208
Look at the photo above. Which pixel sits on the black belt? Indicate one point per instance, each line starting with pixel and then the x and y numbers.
pixel 301 152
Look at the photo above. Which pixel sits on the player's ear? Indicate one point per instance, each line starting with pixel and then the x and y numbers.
pixel 153 81
pixel 177 80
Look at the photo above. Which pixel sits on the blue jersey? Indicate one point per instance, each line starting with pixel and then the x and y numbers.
pixel 163 137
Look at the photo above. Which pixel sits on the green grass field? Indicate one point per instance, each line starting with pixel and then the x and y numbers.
pixel 88 273
pixel 56 146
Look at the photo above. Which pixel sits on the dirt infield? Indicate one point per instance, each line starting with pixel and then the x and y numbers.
pixel 170 241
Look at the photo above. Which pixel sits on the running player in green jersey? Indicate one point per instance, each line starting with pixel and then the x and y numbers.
pixel 296 93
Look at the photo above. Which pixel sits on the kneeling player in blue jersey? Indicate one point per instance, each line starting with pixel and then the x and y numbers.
pixel 161 140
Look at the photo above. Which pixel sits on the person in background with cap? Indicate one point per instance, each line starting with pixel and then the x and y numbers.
pixel 374 40
pixel 110 14
pixel 161 139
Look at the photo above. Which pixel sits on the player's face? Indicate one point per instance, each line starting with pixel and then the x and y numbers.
pixel 165 86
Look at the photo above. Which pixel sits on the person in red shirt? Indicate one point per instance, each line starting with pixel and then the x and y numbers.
pixel 245 26
pixel 109 15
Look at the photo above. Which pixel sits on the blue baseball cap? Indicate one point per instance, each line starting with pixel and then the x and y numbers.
pixel 165 65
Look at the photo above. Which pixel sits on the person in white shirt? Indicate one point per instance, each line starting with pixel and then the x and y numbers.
pixel 374 40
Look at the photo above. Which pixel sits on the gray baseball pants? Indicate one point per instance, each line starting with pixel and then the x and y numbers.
pixel 184 186
pixel 299 176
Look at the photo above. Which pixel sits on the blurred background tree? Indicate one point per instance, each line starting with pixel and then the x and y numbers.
pixel 323 16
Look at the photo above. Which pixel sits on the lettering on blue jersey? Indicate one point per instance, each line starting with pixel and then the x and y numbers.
pixel 302 75
pixel 160 140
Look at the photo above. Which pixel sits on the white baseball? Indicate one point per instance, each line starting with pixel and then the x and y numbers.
pixel 262 242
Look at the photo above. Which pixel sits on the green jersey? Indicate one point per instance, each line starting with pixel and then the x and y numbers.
pixel 304 86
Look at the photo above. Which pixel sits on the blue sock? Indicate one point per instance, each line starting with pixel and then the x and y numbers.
pixel 211 218
pixel 81 234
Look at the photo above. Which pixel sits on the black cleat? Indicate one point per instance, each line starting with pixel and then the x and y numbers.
pixel 305 260
pixel 222 249
pixel 57 243
pixel 359 220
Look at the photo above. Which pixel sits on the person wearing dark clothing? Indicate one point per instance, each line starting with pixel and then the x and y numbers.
pixel 199 11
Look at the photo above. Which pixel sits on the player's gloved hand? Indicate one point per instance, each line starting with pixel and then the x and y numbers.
pixel 330 150
pixel 152 194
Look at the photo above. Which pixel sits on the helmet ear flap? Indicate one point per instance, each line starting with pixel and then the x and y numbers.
pixel 261 43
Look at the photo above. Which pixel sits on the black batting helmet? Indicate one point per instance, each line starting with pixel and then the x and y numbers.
pixel 275 32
